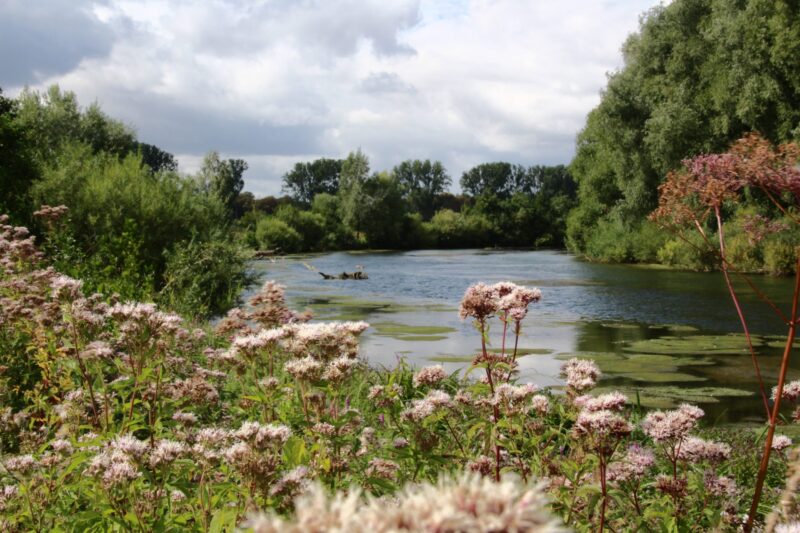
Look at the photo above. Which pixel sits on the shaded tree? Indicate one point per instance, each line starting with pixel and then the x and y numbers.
pixel 306 180
pixel 355 172
pixel 222 178
pixel 17 171
pixel 497 179
pixel 421 182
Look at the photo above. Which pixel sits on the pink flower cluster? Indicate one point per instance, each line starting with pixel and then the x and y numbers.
pixel 664 426
pixel 580 374
pixel 482 301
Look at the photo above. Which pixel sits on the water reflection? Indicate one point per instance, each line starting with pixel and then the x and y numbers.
pixel 587 309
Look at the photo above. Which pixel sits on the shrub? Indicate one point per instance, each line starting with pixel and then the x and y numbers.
pixel 275 234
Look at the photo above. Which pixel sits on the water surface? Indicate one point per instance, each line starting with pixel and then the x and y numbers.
pixel 665 334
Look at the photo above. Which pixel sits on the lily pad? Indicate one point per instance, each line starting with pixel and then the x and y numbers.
pixel 676 328
pixel 692 344
pixel 620 325
pixel 598 357
pixel 522 351
pixel 666 376
pixel 451 358
pixel 394 328
pixel 666 396
pixel 421 338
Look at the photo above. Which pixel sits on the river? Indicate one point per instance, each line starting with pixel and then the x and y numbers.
pixel 660 335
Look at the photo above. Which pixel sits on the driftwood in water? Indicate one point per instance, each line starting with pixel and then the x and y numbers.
pixel 346 275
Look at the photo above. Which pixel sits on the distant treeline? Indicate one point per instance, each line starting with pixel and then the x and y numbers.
pixel 139 228
pixel 341 204
pixel 698 75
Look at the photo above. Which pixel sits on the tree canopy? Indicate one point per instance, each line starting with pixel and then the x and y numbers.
pixel 697 75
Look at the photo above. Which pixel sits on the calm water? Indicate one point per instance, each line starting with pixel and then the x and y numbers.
pixel 622 316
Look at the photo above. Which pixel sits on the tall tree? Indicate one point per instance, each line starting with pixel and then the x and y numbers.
pixel 697 75
pixel 355 172
pixel 421 182
pixel 306 180
pixel 223 178
pixel 497 179
pixel 17 170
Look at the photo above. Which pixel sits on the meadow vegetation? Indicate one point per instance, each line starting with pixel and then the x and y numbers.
pixel 119 416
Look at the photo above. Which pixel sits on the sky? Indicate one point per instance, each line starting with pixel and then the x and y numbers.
pixel 275 82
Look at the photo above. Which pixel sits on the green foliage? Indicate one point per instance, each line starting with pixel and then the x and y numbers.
pixel 421 182
pixel 699 74
pixel 125 417
pixel 306 180
pixel 122 213
pixel 17 169
pixel 272 233
pixel 204 278
pixel 223 179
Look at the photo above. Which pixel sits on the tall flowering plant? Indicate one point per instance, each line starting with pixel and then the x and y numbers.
pixel 697 198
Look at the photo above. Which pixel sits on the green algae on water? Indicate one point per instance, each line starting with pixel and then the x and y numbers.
pixel 693 345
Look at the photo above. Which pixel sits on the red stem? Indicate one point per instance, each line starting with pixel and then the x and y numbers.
pixel 762 469
pixel 739 311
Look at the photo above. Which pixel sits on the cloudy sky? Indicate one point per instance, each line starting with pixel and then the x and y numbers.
pixel 280 81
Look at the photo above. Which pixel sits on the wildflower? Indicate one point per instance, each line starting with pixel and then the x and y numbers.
pixel 177 496
pixel 581 374
pixel 97 350
pixel 129 445
pixel 324 428
pixel 400 443
pixel 262 436
pixel 7 494
pixel 119 472
pixel 291 483
pixel 671 425
pixel 306 369
pixel 339 369
pixel 382 468
pixel 185 418
pixel 430 375
pixel 419 410
pixel 167 451
pixel 194 390
pixel 65 287
pixel 634 465
pixel 479 302
pixel 791 391
pixel 21 464
pixel 694 449
pixel 483 465
pixel 367 439
pixel 675 487
pixel 781 442
pixel 613 401
pixel 540 404
pixel 62 446
pixel 720 486
pixel 601 423
pixel 470 503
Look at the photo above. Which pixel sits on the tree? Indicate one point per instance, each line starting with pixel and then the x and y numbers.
pixel 355 172
pixel 17 171
pixel 421 182
pixel 156 159
pixel 697 75
pixel 497 179
pixel 306 180
pixel 222 178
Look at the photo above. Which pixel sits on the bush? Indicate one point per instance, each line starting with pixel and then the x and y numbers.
pixel 204 278
pixel 275 234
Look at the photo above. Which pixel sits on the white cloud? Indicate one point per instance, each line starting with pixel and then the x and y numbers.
pixel 277 81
